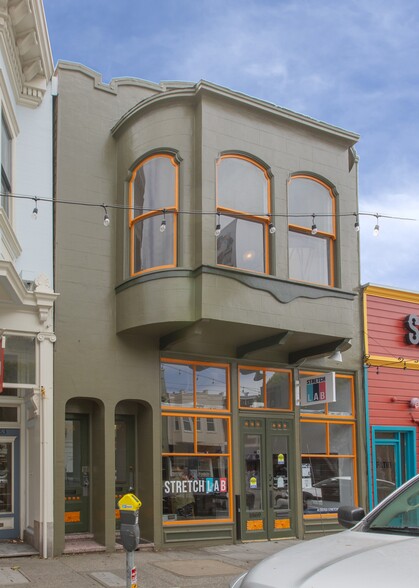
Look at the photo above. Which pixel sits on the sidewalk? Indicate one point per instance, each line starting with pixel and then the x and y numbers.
pixel 202 567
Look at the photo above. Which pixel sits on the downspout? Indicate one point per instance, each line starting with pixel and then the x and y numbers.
pixel 43 470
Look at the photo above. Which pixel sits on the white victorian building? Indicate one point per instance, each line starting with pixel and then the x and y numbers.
pixel 26 276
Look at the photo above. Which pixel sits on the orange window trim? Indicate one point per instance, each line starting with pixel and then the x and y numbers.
pixel 174 209
pixel 225 366
pixel 264 370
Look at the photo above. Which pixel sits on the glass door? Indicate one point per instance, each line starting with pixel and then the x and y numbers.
pixel 124 458
pixel 9 484
pixel 267 474
pixel 77 474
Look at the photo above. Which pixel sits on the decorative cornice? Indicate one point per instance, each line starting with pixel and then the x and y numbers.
pixel 25 45
pixel 284 291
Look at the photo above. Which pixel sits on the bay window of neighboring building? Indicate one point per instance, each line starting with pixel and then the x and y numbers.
pixel 243 213
pixel 312 230
pixel 329 452
pixel 153 196
pixel 196 442
pixel 6 165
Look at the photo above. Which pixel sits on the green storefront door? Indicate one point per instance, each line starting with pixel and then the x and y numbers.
pixel 124 458
pixel 267 479
pixel 77 474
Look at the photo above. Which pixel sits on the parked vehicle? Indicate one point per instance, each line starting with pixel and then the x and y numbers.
pixel 379 550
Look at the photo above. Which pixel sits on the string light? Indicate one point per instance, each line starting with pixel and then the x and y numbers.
pixel 106 219
pixel 356 225
pixel 163 222
pixel 218 225
pixel 35 210
pixel 314 226
pixel 376 228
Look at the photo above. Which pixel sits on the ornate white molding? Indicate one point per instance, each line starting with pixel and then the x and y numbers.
pixel 51 337
pixel 27 52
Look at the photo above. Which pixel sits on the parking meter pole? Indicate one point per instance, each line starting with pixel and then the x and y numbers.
pixel 129 506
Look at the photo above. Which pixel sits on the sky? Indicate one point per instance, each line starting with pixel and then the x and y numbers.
pixel 352 64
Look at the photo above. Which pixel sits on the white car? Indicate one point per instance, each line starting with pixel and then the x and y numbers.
pixel 379 551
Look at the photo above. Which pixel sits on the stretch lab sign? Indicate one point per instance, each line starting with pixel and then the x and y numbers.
pixel 201 486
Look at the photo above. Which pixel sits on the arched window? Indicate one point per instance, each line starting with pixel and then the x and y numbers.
pixel 312 230
pixel 153 213
pixel 243 208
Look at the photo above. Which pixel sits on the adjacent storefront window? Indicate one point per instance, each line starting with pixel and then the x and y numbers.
pixel 19 360
pixel 261 388
pixel 328 452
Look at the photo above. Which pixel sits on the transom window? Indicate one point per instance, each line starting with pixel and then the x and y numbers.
pixel 6 166
pixel 264 388
pixel 243 207
pixel 153 213
pixel 312 230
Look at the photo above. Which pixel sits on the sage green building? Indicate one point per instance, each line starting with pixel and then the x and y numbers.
pixel 208 353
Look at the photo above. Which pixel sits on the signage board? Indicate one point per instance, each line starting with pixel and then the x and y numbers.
pixel 317 389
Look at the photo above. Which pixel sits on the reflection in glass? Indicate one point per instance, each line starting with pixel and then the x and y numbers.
pixel 253 474
pixel 19 360
pixel 278 389
pixel 212 435
pixel 313 437
pixel 385 470
pixel 177 384
pixel 340 439
pixel 152 248
pixel 327 484
pixel 302 191
pixel 154 185
pixel 211 387
pixel 279 452
pixel 343 404
pixel 6 505
pixel 72 455
pixel 175 438
pixel 195 487
pixel 241 244
pixel 251 388
pixel 309 258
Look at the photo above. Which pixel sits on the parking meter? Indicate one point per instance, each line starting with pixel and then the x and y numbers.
pixel 129 506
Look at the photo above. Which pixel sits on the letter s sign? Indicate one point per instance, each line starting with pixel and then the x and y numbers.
pixel 412 324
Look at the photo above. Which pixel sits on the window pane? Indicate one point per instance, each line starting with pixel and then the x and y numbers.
pixel 241 244
pixel 327 484
pixel 340 439
pixel 19 360
pixel 313 437
pixel 251 388
pixel 309 196
pixel 242 186
pixel 154 185
pixel 211 387
pixel 176 384
pixel 195 488
pixel 278 389
pixel 213 435
pixel 308 258
pixel 6 453
pixel 152 248
pixel 343 404
pixel 177 439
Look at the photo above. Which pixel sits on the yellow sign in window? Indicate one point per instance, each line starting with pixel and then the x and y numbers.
pixel 72 517
pixel 282 523
pixel 255 525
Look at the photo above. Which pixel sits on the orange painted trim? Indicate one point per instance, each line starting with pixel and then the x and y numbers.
pixel 264 370
pixel 174 209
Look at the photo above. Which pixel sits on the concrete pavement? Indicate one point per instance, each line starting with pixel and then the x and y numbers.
pixel 201 567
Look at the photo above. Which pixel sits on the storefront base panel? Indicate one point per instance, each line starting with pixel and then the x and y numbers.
pixel 321 527
pixel 192 534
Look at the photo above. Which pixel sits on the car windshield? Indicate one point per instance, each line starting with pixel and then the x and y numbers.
pixel 399 515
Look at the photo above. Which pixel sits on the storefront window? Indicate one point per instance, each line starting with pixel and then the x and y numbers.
pixel 261 388
pixel 194 385
pixel 344 399
pixel 19 360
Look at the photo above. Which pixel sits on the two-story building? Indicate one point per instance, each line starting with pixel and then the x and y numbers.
pixel 26 277
pixel 208 270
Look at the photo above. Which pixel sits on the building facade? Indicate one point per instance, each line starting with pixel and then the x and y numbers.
pixel 208 271
pixel 26 277
pixel 392 381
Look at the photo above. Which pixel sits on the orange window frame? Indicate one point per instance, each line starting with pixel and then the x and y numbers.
pixel 331 237
pixel 261 219
pixel 227 455
pixel 174 210
pixel 193 364
pixel 264 370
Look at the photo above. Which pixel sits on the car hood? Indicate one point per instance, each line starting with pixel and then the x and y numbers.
pixel 347 559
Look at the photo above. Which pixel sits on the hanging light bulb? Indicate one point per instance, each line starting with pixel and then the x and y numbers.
pixel 218 225
pixel 272 228
pixel 314 226
pixel 356 225
pixel 106 219
pixel 376 228
pixel 163 223
pixel 35 210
